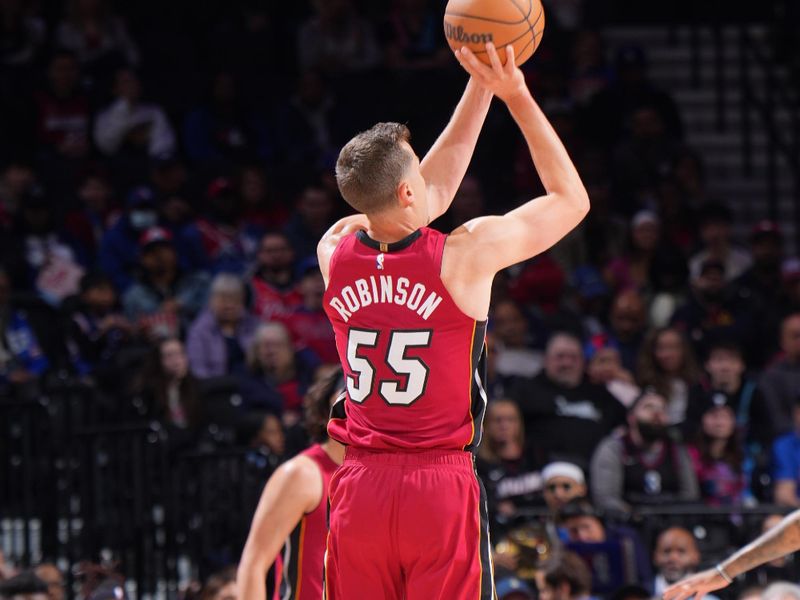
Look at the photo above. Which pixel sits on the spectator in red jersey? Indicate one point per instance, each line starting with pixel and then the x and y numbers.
pixel 259 205
pixel 308 324
pixel 276 377
pixel 273 284
pixel 62 110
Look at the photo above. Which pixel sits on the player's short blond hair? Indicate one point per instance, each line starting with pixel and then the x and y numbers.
pixel 371 166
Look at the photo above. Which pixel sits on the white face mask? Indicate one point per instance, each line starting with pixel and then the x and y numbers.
pixel 143 219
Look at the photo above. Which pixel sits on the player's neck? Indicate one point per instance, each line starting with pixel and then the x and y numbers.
pixel 392 227
pixel 334 449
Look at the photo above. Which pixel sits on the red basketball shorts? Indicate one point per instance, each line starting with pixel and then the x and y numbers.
pixel 408 526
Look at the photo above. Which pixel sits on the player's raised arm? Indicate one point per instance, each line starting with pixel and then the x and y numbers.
pixel 538 224
pixel 779 541
pixel 446 162
pixel 294 489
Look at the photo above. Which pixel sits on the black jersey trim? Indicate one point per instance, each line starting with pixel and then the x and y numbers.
pixel 362 237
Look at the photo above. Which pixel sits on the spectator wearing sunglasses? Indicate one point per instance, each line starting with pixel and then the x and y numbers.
pixel 563 481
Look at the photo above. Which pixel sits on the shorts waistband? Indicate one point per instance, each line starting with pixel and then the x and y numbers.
pixel 410 458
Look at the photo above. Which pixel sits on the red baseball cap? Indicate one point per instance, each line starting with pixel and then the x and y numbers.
pixel 155 235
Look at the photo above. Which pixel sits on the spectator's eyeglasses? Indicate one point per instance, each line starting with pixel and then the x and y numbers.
pixel 566 486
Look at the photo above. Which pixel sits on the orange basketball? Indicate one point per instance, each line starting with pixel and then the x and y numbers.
pixel 472 23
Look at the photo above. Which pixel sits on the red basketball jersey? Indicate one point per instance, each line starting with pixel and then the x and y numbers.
pixel 302 562
pixel 413 361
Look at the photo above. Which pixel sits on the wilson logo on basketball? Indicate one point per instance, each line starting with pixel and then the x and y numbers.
pixel 457 34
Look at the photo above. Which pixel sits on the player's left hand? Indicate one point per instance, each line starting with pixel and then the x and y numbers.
pixel 696 586
pixel 504 81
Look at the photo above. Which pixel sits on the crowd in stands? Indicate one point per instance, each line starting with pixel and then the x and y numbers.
pixel 163 184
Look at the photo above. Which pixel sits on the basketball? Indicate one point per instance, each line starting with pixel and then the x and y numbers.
pixel 472 23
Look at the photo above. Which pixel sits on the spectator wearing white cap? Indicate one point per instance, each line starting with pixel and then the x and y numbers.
pixel 563 481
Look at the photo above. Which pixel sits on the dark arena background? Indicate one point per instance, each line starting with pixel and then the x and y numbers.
pixel 166 170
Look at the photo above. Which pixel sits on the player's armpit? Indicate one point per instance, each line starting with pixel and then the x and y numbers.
pixel 498 242
pixel 330 239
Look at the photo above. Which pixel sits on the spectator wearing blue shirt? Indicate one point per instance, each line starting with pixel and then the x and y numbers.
pixel 786 462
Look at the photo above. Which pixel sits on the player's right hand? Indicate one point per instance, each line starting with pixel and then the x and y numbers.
pixel 504 81
pixel 697 585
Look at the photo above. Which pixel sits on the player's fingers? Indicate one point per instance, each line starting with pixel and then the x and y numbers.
pixel 511 62
pixel 476 66
pixel 494 59
pixel 468 68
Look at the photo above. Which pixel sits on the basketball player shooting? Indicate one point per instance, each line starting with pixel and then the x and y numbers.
pixel 409 307
pixel 779 541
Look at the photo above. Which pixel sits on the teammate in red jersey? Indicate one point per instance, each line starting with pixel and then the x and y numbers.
pixel 293 510
pixel 409 306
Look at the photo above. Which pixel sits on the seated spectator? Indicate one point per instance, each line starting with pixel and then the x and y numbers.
pixel 264 434
pixel 567 578
pixel 781 380
pixel 605 368
pixel 676 556
pixel 307 323
pixel 312 217
pixel 96 35
pixel 784 568
pixel 713 309
pixel 218 337
pixel 221 585
pixel 726 374
pixel 163 301
pixel 276 377
pixel 131 126
pixel 62 110
pixel 603 545
pixel 513 343
pixel 513 588
pixel 781 590
pixel 98 330
pixel 25 33
pixel 22 360
pixel 273 284
pixel 259 205
pixel 24 586
pixel 563 481
pixel 169 390
pixel 95 214
pixel 229 241
pixel 53 578
pixel 667 364
pixel 119 248
pixel 717 455
pixel 641 464
pixel 716 235
pixel 511 481
pixel 17 179
pixel 565 415
pixel 627 325
pixel 763 278
pixel 635 268
pixel 786 462
pixel 337 39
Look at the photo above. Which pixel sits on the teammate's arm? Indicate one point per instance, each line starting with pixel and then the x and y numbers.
pixel 501 241
pixel 779 541
pixel 293 490
pixel 327 244
pixel 445 164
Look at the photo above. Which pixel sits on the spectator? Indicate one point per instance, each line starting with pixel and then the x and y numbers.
pixel 563 481
pixel 636 268
pixel 221 585
pixel 568 578
pixel 716 235
pixel 667 364
pixel 163 301
pixel 764 275
pixel 130 126
pixel 513 588
pixel 605 368
pixel 511 481
pixel 336 39
pixel 17 179
pixel 717 455
pixel 276 377
pixel 273 284
pixel 784 568
pixel 641 464
pixel 411 38
pixel 781 590
pixel 23 586
pixel 781 380
pixel 628 322
pixel 259 205
pixel 95 214
pixel 588 535
pixel 565 415
pixel 62 110
pixel 119 248
pixel 266 436
pixel 219 335
pixel 95 35
pixel 676 555
pixel 25 35
pixel 307 323
pixel 312 217
pixel 512 334
pixel 786 462
pixel 98 330
pixel 53 578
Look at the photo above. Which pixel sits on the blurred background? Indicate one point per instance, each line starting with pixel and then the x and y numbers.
pixel 166 169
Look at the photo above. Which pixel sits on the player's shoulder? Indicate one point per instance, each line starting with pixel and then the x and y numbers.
pixel 300 470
